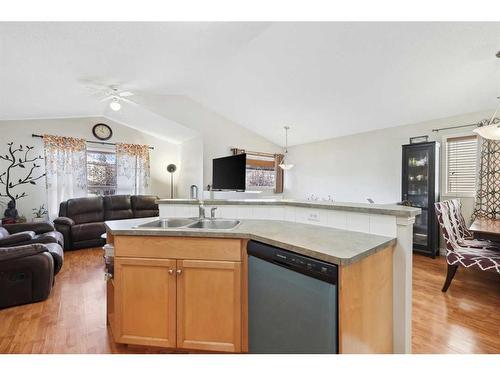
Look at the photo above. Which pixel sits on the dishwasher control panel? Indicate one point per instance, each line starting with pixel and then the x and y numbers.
pixel 299 263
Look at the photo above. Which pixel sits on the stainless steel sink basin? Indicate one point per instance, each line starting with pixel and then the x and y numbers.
pixel 214 224
pixel 168 223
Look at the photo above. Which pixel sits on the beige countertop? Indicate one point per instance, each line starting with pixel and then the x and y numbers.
pixel 381 209
pixel 331 245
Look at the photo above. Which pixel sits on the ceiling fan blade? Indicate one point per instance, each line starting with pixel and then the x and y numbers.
pixel 106 98
pixel 129 101
pixel 124 94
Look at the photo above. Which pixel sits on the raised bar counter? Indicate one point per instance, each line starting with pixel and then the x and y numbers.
pixel 381 209
pixel 328 244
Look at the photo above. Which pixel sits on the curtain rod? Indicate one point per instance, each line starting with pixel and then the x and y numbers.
pixel 454 127
pixel 95 142
pixel 255 153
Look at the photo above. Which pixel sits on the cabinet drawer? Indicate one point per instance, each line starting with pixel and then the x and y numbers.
pixel 178 248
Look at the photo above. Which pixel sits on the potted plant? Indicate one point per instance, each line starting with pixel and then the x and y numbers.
pixel 39 213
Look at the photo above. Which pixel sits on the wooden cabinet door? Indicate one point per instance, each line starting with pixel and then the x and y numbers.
pixel 145 311
pixel 209 305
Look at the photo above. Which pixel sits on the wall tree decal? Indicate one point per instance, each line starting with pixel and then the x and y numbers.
pixel 19 158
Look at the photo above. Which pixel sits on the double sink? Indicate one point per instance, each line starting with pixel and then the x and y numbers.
pixel 192 223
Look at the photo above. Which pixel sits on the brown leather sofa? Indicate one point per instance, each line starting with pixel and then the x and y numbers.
pixel 26 274
pixel 81 220
pixel 21 234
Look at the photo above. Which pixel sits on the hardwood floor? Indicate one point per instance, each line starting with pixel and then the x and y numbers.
pixel 72 320
pixel 465 319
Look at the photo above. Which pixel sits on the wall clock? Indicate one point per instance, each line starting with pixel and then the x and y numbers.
pixel 102 132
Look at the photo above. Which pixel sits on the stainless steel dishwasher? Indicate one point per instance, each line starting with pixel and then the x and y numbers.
pixel 292 302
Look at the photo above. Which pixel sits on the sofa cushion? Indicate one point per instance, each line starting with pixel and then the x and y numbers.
pixel 8 253
pixel 85 210
pixel 57 254
pixel 49 237
pixel 17 238
pixel 117 207
pixel 144 205
pixel 87 231
pixel 37 227
pixel 3 233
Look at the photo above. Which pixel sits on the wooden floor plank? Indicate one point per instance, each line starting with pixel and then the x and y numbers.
pixel 465 319
pixel 72 319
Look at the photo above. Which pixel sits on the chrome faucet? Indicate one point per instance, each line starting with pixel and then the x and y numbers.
pixel 201 211
pixel 193 192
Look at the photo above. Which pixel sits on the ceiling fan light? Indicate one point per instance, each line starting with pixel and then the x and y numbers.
pixel 115 105
pixel 489 131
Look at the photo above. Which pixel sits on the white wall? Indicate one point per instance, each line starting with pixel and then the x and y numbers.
pixel 20 131
pixel 366 165
pixel 190 168
pixel 218 133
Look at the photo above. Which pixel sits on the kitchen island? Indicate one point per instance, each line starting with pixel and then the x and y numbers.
pixel 187 289
pixel 389 220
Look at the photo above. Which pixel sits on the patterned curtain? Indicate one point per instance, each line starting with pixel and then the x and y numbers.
pixel 66 170
pixel 488 190
pixel 132 168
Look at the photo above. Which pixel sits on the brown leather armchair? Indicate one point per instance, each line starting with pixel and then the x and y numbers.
pixel 81 220
pixel 44 232
pixel 26 274
pixel 22 234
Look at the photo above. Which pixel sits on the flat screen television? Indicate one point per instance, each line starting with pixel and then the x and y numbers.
pixel 229 173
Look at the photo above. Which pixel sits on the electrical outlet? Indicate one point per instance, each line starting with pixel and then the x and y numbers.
pixel 313 216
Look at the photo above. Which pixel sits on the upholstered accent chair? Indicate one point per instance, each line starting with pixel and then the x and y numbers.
pixel 461 248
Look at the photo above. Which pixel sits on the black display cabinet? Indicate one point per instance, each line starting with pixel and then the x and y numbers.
pixel 421 189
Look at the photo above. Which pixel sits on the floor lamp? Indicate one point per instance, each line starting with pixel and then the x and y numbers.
pixel 171 168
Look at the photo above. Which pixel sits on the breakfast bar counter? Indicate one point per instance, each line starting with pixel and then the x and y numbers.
pixel 331 245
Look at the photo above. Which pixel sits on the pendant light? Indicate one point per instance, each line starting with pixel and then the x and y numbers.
pixel 490 129
pixel 285 163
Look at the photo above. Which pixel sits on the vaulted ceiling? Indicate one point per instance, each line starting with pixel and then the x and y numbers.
pixel 322 79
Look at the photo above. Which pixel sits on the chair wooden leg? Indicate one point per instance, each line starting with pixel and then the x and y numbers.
pixel 452 270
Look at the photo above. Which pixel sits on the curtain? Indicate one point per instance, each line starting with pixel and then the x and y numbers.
pixel 66 170
pixel 132 168
pixel 488 188
pixel 280 183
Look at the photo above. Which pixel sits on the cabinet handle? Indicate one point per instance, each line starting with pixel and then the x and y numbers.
pixel 179 272
pixel 171 271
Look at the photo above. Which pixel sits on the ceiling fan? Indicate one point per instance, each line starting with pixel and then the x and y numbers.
pixel 112 94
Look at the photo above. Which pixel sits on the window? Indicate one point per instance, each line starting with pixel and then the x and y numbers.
pixel 461 161
pixel 101 172
pixel 260 174
pixel 262 170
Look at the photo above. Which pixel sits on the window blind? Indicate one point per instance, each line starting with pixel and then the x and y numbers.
pixel 461 157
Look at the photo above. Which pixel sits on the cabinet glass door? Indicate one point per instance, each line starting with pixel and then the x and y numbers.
pixel 418 177
pixel 418 191
pixel 420 231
